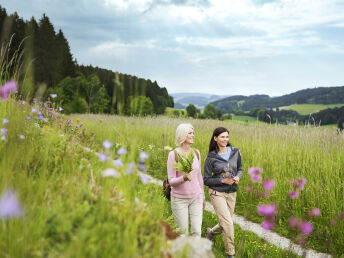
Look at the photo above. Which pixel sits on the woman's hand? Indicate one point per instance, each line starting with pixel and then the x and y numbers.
pixel 236 180
pixel 187 177
pixel 228 181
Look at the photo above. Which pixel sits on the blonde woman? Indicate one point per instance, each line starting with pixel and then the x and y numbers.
pixel 187 193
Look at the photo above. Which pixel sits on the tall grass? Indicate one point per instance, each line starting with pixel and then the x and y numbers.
pixel 285 153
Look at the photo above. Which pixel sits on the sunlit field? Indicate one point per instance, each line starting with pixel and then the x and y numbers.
pixel 306 109
pixel 285 154
pixel 59 199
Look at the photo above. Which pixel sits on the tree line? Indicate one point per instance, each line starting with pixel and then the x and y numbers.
pixel 49 67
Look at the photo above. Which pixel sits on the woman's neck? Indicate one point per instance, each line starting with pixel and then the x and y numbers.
pixel 222 149
pixel 185 147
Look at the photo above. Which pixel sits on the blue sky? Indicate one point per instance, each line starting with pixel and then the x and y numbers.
pixel 209 46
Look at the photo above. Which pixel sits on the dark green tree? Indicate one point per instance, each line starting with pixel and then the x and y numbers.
pixel 191 110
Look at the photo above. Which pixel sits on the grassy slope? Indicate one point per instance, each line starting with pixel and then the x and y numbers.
pixel 306 109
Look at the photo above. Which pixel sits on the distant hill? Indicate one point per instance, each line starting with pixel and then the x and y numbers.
pixel 320 95
pixel 200 100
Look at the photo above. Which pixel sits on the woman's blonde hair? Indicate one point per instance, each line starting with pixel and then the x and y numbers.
pixel 182 132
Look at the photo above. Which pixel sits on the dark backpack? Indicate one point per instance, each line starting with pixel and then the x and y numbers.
pixel 166 187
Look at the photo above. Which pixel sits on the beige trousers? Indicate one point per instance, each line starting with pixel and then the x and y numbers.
pixel 224 204
pixel 183 208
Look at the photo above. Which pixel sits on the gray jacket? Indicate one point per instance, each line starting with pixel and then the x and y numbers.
pixel 215 166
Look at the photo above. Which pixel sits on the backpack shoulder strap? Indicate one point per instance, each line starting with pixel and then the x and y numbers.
pixel 175 155
pixel 197 153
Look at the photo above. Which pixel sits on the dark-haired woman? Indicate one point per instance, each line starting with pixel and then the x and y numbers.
pixel 222 173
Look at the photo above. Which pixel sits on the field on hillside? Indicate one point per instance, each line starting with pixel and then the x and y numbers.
pixel 306 109
pixel 58 198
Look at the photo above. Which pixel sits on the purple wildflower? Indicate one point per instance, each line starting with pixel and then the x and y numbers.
pixel 143 156
pixel 53 95
pixel 9 205
pixel 3 131
pixel 118 162
pixel 23 102
pixel 269 185
pixel 268 225
pixel 130 168
pixel 22 137
pixel 33 110
pixel 334 223
pixel 256 178
pixel 341 215
pixel 7 88
pixel 103 157
pixel 248 188
pixel 122 151
pixel 293 222
pixel 141 167
pixel 294 195
pixel 60 109
pixel 305 227
pixel 255 171
pixel 302 182
pixel 315 212
pixel 28 117
pixel 267 210
pixel 79 132
pixel 255 174
pixel 3 138
pixel 5 121
pixel 107 144
pixel 144 179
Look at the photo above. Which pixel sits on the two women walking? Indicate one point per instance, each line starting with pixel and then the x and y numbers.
pixel 222 173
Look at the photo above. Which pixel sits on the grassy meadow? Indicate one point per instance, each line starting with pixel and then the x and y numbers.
pixel 63 203
pixel 306 109
pixel 285 153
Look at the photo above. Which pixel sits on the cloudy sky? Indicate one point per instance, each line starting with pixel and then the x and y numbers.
pixel 210 46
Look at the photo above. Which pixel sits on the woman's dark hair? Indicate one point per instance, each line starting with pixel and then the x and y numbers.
pixel 213 143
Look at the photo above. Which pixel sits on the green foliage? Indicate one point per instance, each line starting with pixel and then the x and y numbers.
pixel 340 124
pixel 191 110
pixel 210 111
pixel 184 163
pixel 141 106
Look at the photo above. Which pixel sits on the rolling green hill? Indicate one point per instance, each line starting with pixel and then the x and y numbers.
pixel 306 109
pixel 320 95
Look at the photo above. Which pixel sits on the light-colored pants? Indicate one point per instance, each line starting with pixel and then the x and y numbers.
pixel 183 208
pixel 224 204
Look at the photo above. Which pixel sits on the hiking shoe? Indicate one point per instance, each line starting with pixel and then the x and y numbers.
pixel 209 234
